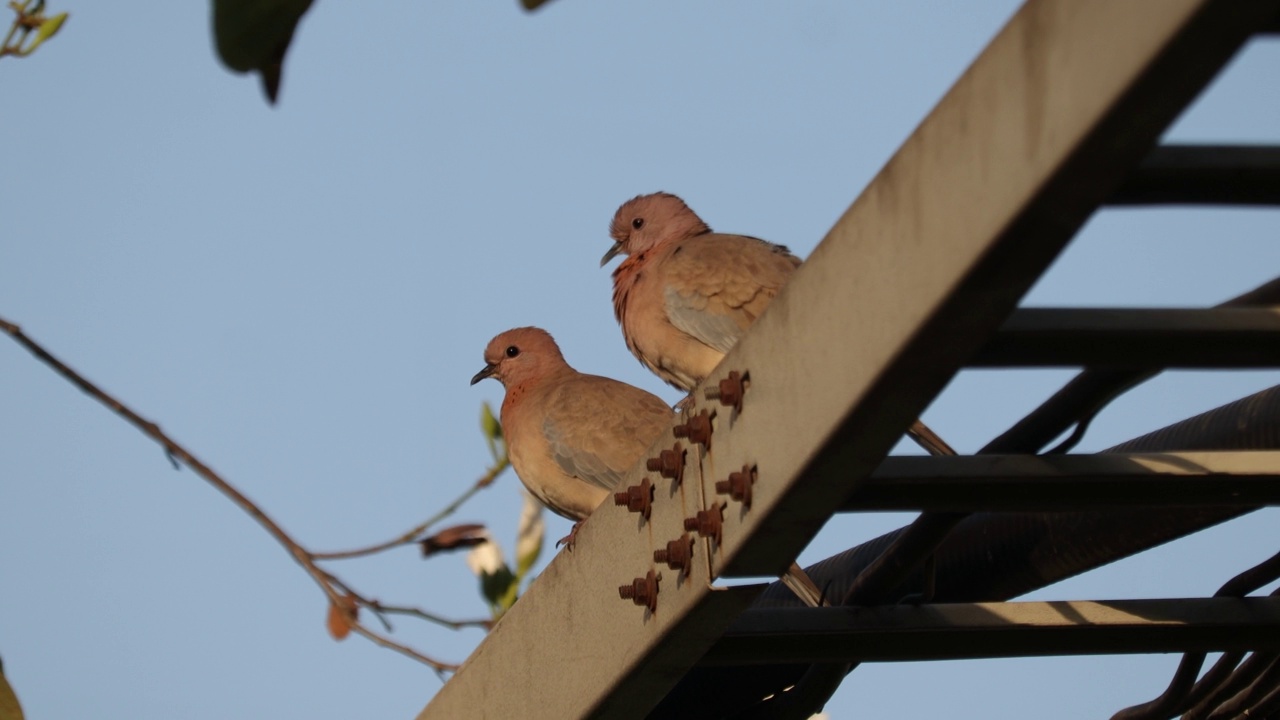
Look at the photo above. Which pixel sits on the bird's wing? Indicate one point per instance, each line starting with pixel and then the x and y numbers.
pixel 597 428
pixel 715 286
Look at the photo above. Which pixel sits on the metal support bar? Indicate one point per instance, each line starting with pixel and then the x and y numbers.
pixel 1059 483
pixel 991 630
pixel 916 276
pixel 1204 175
pixel 1136 338
pixel 993 557
pixel 1080 400
pixel 1037 133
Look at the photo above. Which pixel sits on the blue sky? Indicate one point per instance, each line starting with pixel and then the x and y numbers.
pixel 300 294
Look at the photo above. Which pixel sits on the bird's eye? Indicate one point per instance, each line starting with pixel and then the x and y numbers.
pixel 637 223
pixel 512 351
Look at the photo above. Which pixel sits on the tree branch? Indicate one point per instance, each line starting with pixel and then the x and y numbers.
pixel 379 608
pixel 412 536
pixel 328 583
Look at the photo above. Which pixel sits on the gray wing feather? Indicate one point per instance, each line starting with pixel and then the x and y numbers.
pixel 688 313
pixel 626 420
pixel 579 463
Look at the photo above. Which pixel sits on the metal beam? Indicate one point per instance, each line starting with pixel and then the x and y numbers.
pixel 999 556
pixel 910 282
pixel 931 259
pixel 1204 175
pixel 1136 338
pixel 993 630
pixel 1060 483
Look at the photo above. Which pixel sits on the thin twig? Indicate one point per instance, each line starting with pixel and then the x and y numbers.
pixel 414 535
pixel 378 607
pixel 26 21
pixel 19 22
pixel 386 642
pixel 325 580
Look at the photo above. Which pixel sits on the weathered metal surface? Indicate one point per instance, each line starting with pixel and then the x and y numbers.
pixel 911 282
pixel 931 260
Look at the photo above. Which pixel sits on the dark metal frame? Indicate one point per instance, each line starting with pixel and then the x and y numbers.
pixel 921 277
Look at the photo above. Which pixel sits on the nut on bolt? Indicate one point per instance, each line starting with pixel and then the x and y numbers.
pixel 642 591
pixel 707 523
pixel 678 554
pixel 697 429
pixel 730 390
pixel 669 463
pixel 738 486
pixel 637 498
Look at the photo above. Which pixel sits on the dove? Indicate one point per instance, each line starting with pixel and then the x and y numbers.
pixel 685 295
pixel 571 437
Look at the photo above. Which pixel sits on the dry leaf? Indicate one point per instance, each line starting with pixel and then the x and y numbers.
pixel 9 707
pixel 342 616
pixel 452 538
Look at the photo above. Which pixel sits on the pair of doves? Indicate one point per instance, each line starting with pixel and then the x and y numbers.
pixel 683 296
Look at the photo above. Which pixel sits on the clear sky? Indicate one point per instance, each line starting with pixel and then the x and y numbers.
pixel 300 294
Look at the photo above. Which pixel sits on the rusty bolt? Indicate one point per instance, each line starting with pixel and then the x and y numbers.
pixel 698 429
pixel 678 554
pixel 637 498
pixel 707 523
pixel 669 463
pixel 730 390
pixel 642 591
pixel 738 486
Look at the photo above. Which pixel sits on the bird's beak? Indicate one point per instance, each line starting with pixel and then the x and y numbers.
pixel 488 371
pixel 613 252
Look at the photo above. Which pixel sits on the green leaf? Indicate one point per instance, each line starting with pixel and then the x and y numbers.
pixel 255 35
pixel 50 27
pixel 47 29
pixel 497 582
pixel 529 536
pixel 492 430
pixel 499 590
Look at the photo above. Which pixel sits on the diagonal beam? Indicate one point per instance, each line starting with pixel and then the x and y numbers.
pixel 911 281
pixel 933 257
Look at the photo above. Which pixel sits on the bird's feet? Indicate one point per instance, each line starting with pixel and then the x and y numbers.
pixel 569 540
pixel 685 404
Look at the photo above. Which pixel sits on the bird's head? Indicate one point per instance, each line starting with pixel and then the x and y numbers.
pixel 647 221
pixel 519 355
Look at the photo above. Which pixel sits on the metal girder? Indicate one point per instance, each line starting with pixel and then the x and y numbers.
pixel 1204 175
pixel 932 258
pixel 992 630
pixel 1060 483
pixel 912 280
pixel 993 557
pixel 1229 337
